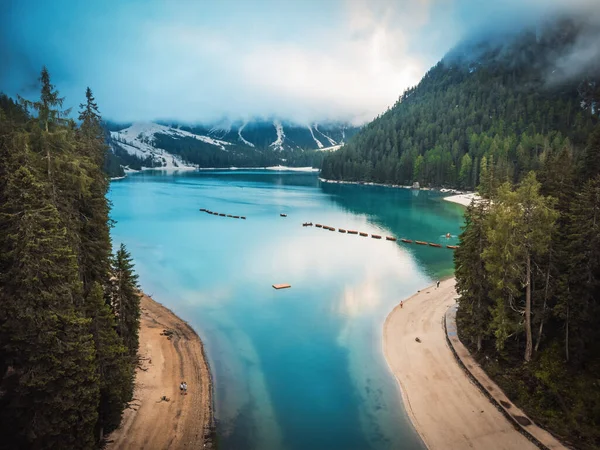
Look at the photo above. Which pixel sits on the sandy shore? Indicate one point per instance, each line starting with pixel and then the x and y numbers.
pixel 185 421
pixel 445 407
pixel 463 199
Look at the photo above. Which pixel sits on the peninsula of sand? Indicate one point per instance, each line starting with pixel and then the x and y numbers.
pixel 160 416
pixel 446 408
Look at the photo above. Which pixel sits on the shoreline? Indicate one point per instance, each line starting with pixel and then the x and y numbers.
pixel 231 168
pixel 427 374
pixel 463 199
pixel 456 192
pixel 165 361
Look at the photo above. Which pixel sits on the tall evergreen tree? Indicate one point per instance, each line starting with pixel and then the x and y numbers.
pixel 49 383
pixel 126 299
pixel 471 276
pixel 112 361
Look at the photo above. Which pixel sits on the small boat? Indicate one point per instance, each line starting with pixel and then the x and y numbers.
pixel 375 236
pixel 341 230
pixel 282 286
pixel 408 241
pixel 352 232
pixel 363 234
pixel 453 247
pixel 283 215
pixel 435 245
pixel 420 242
pixel 390 238
pixel 243 217
pixel 318 225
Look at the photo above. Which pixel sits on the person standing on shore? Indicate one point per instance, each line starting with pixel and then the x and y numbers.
pixel 181 388
pixel 401 304
pixel 438 283
pixel 184 388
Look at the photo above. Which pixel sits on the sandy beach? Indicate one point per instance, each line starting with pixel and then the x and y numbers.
pixel 445 407
pixel 463 199
pixel 185 421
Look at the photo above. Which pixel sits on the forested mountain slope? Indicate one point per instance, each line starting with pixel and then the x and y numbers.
pixel 243 144
pixel 69 309
pixel 500 104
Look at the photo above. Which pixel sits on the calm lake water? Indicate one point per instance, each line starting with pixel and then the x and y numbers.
pixel 300 368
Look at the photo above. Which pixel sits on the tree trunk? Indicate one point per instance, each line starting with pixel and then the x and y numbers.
pixel 539 338
pixel 567 336
pixel 529 345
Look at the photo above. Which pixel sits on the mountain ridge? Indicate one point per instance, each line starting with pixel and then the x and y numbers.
pixel 170 145
pixel 503 108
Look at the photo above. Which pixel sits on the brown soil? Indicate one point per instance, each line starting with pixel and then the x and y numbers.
pixel 184 421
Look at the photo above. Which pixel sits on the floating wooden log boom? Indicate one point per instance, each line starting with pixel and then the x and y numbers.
pixel 377 236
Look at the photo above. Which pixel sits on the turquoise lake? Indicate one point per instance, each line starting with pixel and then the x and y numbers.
pixel 300 368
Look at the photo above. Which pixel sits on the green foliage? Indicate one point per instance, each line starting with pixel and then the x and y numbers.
pixel 125 299
pixel 483 106
pixel 539 272
pixel 66 369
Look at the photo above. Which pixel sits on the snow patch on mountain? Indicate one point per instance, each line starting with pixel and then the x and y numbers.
pixel 145 133
pixel 278 143
pixel 331 141
pixel 319 144
pixel 248 143
pixel 332 148
pixel 143 150
pixel 140 140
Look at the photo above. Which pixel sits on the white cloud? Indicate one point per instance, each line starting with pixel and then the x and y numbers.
pixel 300 60
pixel 353 70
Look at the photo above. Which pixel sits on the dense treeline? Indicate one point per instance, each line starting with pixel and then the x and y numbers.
pixel 479 109
pixel 69 310
pixel 528 275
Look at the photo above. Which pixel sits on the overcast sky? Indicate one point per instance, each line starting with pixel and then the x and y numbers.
pixel 203 60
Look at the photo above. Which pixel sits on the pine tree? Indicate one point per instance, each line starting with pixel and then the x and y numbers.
pixel 114 367
pixel 471 276
pixel 93 208
pixel 584 274
pixel 125 299
pixel 520 229
pixel 50 385
pixel 591 162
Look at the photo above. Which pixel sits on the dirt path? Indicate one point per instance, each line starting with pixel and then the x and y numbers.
pixel 446 408
pixel 185 420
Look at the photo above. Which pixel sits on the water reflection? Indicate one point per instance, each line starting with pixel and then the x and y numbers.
pixel 303 367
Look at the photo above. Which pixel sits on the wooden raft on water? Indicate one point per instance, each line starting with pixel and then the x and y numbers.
pixel 282 286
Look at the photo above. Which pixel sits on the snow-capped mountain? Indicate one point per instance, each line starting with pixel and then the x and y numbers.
pixel 223 144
